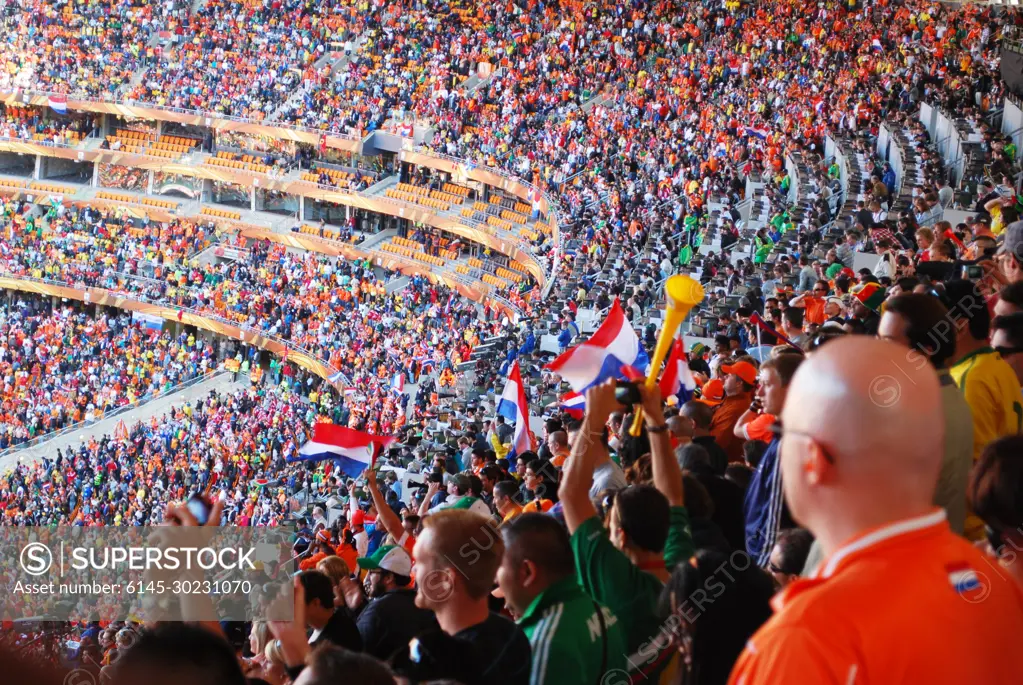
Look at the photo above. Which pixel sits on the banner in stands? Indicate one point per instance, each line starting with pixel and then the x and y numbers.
pixel 256 142
pixel 168 183
pixel 123 177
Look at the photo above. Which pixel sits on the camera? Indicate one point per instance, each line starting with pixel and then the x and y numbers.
pixel 627 393
pixel 200 508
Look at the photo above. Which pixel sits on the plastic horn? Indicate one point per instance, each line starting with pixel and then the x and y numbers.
pixel 682 294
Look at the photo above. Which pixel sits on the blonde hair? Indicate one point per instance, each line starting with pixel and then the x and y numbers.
pixel 334 568
pixel 925 233
pixel 274 654
pixel 471 537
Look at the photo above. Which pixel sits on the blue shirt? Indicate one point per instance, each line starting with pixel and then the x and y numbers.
pixel 764 506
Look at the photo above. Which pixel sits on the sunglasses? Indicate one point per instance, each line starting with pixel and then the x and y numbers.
pixel 780 432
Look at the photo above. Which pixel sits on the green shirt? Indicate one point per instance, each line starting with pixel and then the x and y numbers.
pixel 762 248
pixel 685 255
pixel 631 593
pixel 566 638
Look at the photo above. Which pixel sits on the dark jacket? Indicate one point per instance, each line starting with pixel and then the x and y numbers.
pixel 504 648
pixel 341 631
pixel 718 456
pixel 388 622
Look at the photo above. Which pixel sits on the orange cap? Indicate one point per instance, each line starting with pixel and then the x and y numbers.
pixel 713 392
pixel 743 370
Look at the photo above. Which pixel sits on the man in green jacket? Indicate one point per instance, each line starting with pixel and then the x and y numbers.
pixel 575 641
pixel 626 565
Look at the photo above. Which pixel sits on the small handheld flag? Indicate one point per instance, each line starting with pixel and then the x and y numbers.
pixel 514 407
pixel 573 404
pixel 677 379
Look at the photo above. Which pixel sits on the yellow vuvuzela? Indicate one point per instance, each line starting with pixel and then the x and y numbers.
pixel 682 293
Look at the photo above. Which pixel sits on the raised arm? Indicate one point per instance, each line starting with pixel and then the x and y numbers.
pixel 385 515
pixel 424 506
pixel 577 477
pixel 666 471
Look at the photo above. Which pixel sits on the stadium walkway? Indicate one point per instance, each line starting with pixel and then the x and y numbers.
pixel 48 449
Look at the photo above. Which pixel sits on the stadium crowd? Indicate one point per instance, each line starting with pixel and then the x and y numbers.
pixel 61 367
pixel 807 512
pixel 338 310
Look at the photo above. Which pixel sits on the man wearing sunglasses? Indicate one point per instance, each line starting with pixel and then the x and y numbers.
pixel 1007 340
pixel 860 457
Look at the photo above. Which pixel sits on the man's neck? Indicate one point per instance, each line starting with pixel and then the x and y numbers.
pixel 836 533
pixel 967 345
pixel 318 619
pixel 651 562
pixel 454 617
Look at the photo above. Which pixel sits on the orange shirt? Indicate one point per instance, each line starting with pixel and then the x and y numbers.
pixel 559 459
pixel 908 602
pixel 723 423
pixel 760 428
pixel 815 309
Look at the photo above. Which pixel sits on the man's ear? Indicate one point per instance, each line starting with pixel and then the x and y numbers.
pixel 529 572
pixel 816 465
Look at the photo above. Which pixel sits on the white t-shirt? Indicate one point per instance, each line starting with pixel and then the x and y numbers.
pixel 607 476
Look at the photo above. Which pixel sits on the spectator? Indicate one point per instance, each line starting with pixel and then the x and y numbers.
pixel 329 663
pixel 1007 341
pixel 607 475
pixel 710 635
pixel 789 555
pixel 505 505
pixel 329 625
pixel 573 638
pixel 457 557
pixel 765 507
pixel 739 380
pixel 842 481
pixel 988 382
pixel 625 566
pixel 391 618
pixel 995 497
pixel 702 416
pixel 173 653
pixel 921 322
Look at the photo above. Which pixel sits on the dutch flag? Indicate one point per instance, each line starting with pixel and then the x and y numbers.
pixel 58 103
pixel 613 345
pixel 677 379
pixel 350 449
pixel 574 404
pixel 514 407
pixel 398 383
pixel 755 132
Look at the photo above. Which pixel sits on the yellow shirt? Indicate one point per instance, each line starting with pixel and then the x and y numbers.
pixel 993 393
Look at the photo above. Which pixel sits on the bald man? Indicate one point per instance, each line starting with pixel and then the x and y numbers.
pixel 899 598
